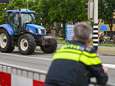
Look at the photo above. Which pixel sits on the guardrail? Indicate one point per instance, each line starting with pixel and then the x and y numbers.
pixel 31 73
pixel 23 71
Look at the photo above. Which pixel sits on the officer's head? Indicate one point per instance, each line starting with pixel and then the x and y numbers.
pixel 82 32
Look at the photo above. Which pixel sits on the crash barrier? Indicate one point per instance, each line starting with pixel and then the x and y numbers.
pixel 12 75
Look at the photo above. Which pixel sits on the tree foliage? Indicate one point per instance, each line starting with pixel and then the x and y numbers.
pixel 53 10
pixel 106 8
pixel 68 10
pixel 58 10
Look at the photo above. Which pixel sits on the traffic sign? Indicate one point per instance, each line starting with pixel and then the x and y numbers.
pixel 104 27
pixel 69 32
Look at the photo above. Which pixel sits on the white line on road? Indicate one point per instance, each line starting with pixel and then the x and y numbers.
pixel 47 59
pixel 111 66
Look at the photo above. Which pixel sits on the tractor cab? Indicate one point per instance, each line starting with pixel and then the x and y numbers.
pixel 19 18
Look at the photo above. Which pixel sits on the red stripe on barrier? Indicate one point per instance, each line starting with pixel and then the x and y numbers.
pixel 38 83
pixel 5 79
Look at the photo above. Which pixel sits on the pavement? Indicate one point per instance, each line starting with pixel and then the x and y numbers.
pixel 106 51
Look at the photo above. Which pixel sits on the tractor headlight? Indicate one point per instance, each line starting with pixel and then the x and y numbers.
pixel 39 31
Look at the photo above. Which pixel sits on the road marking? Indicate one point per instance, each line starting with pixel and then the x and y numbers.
pixel 111 66
pixel 47 59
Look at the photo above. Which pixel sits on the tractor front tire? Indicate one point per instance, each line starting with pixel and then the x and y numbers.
pixel 6 42
pixel 50 47
pixel 26 44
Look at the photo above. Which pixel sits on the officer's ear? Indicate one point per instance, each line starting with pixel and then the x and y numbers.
pixel 88 42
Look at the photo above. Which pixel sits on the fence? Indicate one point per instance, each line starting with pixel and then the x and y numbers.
pixel 13 75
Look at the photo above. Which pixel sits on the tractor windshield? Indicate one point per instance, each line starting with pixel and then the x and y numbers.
pixel 27 18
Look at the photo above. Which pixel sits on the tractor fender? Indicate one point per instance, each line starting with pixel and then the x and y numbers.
pixel 8 28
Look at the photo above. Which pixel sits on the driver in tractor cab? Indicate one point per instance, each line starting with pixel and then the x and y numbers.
pixel 75 63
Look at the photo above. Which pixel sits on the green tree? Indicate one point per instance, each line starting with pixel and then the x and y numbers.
pixel 67 11
pixel 106 8
pixel 62 10
pixel 2 9
pixel 42 10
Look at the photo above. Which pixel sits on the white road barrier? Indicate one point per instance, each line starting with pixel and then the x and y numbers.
pixel 13 75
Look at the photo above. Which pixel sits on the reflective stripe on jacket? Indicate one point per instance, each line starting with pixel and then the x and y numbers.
pixel 78 54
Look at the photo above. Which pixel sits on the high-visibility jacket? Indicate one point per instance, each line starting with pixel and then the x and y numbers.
pixel 77 53
pixel 72 65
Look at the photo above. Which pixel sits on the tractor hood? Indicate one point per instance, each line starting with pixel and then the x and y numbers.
pixel 36 29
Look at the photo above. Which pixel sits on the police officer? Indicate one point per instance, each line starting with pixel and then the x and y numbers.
pixel 75 62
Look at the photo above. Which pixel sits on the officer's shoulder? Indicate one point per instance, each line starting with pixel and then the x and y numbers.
pixel 90 50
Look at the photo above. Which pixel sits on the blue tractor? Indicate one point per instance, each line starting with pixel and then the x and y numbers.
pixel 20 30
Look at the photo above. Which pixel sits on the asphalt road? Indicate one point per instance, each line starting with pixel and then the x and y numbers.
pixel 42 61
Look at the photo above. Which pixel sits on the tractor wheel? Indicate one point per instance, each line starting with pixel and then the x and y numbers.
pixel 6 42
pixel 26 44
pixel 50 47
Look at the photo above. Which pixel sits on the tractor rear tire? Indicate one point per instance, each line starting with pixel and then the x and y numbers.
pixel 26 44
pixel 50 47
pixel 6 42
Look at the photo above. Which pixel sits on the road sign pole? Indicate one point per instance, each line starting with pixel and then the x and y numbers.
pixel 95 26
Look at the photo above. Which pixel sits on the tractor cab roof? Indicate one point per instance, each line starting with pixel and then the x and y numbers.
pixel 20 11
